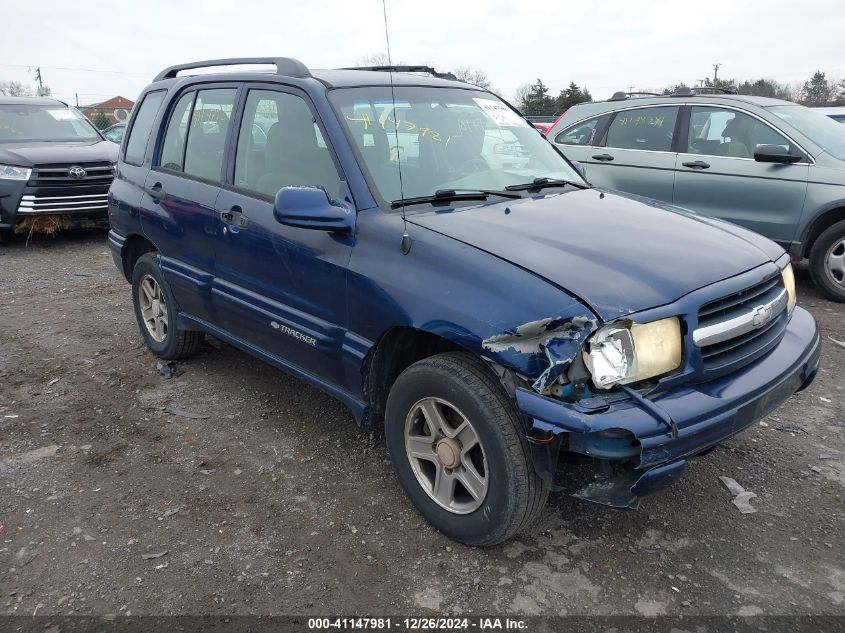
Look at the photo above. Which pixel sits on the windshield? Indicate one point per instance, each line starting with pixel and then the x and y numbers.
pixel 20 122
pixel 447 139
pixel 821 129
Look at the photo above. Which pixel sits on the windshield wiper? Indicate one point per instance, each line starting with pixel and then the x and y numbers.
pixel 540 183
pixel 445 195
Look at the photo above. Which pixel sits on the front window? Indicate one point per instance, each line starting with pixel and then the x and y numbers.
pixel 718 131
pixel 26 122
pixel 822 130
pixel 444 139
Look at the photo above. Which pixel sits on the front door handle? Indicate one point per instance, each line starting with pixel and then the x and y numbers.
pixel 605 158
pixel 235 217
pixel 697 164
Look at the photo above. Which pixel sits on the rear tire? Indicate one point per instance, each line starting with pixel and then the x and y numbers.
pixel 481 441
pixel 827 262
pixel 156 312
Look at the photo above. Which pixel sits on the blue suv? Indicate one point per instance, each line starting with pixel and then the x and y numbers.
pixel 411 245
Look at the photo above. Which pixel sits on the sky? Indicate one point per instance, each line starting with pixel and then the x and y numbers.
pixel 101 49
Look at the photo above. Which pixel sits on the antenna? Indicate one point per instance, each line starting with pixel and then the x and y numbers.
pixel 406 239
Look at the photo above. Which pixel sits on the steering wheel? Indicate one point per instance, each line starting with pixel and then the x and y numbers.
pixel 473 166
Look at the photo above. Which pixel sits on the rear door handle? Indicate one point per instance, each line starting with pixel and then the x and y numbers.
pixel 697 164
pixel 603 157
pixel 156 192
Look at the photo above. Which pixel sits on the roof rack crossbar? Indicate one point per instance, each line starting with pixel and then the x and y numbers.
pixel 621 95
pixel 406 69
pixel 284 66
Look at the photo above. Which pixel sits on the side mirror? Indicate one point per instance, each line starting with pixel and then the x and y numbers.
pixel 310 208
pixel 775 154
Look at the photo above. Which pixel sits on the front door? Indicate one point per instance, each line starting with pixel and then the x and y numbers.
pixel 716 173
pixel 278 288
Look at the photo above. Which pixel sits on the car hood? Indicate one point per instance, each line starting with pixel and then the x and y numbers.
pixel 618 253
pixel 31 153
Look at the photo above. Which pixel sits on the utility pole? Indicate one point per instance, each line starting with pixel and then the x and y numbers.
pixel 630 88
pixel 40 83
pixel 715 73
pixel 76 94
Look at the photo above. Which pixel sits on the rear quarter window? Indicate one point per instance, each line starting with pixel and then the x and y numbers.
pixel 139 133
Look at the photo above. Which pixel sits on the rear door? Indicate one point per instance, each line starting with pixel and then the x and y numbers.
pixel 716 173
pixel 580 141
pixel 181 191
pixel 126 192
pixel 633 154
pixel 281 289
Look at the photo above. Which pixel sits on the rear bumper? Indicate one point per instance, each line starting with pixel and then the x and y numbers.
pixel 673 426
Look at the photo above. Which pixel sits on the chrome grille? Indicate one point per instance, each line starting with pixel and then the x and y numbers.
pixel 736 329
pixel 37 204
pixel 57 175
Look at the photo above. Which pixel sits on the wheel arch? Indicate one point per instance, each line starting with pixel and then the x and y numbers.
pixel 397 348
pixel 820 224
pixel 134 246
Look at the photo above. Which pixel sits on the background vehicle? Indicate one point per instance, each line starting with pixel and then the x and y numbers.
pixel 55 168
pixel 114 133
pixel 489 314
pixel 769 165
pixel 837 113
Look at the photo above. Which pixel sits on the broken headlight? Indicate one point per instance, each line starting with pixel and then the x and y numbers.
pixel 621 354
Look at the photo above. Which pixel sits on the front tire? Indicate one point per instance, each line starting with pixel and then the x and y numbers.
pixel 459 449
pixel 827 262
pixel 156 313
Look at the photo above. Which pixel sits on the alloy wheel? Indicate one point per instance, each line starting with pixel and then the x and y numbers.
pixel 446 455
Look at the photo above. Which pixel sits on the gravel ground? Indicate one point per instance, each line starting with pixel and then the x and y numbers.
pixel 270 500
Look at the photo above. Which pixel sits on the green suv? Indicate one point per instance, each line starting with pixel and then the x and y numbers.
pixel 772 166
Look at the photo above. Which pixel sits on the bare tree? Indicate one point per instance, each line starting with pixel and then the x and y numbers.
pixel 475 77
pixel 522 96
pixel 14 89
pixel 375 59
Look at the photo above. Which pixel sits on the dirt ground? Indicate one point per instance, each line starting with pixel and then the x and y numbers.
pixel 270 500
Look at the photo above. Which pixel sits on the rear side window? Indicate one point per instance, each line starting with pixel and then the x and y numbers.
pixel 196 133
pixel 207 133
pixel 136 142
pixel 649 129
pixel 584 133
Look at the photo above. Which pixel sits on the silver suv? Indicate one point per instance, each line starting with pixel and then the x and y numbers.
pixel 773 166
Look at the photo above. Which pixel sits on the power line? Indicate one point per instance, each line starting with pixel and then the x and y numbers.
pixel 73 68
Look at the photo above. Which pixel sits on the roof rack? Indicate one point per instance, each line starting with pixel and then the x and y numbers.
pixel 621 96
pixel 406 69
pixel 284 66
pixel 686 91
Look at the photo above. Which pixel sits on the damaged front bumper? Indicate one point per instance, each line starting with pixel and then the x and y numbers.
pixel 656 435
